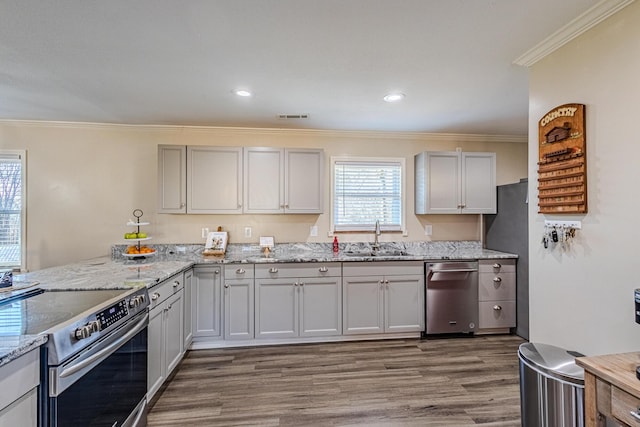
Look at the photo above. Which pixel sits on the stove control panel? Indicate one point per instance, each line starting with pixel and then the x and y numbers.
pixel 113 314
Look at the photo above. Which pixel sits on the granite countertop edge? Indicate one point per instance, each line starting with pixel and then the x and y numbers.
pixel 115 272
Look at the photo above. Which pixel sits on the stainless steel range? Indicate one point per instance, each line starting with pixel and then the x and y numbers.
pixel 94 369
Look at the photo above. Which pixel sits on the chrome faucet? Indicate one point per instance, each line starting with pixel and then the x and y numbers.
pixel 377 232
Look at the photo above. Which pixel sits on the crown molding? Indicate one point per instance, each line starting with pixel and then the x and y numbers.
pixel 592 17
pixel 235 131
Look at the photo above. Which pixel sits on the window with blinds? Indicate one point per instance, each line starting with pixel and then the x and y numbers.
pixel 11 208
pixel 366 191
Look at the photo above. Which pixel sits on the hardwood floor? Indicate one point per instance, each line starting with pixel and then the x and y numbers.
pixel 435 382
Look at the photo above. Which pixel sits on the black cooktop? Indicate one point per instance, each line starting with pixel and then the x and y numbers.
pixel 37 311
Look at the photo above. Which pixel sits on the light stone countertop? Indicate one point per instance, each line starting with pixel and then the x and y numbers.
pixel 116 272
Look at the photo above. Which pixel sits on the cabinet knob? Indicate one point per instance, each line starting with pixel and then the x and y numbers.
pixel 182 205
pixel 497 279
pixel 496 265
pixel 273 270
pixel 497 307
pixel 240 271
pixel 295 284
pixel 155 296
pixel 301 283
pixel 176 284
pixel 323 269
pixel 216 272
pixel 226 285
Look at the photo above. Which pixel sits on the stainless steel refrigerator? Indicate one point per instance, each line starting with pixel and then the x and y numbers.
pixel 507 231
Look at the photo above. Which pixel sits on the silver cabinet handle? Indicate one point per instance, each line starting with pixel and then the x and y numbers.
pixel 323 269
pixel 496 265
pixel 216 272
pixel 240 271
pixel 176 284
pixel 226 285
pixel 295 284
pixel 273 270
pixel 497 307
pixel 635 415
pixel 155 296
pixel 497 279
pixel 301 283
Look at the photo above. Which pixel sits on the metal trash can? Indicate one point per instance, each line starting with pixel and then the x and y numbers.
pixel 551 387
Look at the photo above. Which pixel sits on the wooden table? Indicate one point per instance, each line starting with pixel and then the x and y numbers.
pixel 611 389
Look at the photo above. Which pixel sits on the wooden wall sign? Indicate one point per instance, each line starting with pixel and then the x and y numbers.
pixel 562 162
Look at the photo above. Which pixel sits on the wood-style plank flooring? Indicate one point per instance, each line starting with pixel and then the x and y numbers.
pixel 435 382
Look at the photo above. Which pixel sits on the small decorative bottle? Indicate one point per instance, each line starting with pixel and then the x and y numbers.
pixel 336 248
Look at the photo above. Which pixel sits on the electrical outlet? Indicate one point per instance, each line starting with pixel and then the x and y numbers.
pixel 247 232
pixel 428 230
pixel 313 232
pixel 205 233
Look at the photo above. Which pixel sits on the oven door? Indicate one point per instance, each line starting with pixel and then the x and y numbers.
pixel 106 384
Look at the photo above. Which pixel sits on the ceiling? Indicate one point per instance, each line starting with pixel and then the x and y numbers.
pixel 177 62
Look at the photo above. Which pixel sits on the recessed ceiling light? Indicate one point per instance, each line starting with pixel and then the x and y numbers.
pixel 242 92
pixel 394 97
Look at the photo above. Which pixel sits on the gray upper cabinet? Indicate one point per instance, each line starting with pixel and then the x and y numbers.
pixel 453 182
pixel 233 180
pixel 278 180
pixel 172 179
pixel 214 180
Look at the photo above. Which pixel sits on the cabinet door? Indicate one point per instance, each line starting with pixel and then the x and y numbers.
pixel 263 180
pixel 172 179
pixel 206 302
pixel 214 184
pixel 320 306
pixel 442 184
pixel 479 183
pixel 304 181
pixel 404 303
pixel 276 308
pixel 22 412
pixel 173 331
pixel 187 318
pixel 363 305
pixel 238 309
pixel 156 355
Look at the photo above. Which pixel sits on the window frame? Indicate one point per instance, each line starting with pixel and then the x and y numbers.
pixel 403 193
pixel 22 157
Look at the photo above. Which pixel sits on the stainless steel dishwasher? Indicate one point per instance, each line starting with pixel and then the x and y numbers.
pixel 451 297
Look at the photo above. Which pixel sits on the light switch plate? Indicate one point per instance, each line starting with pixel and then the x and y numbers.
pixel 313 231
pixel 247 232
pixel 428 230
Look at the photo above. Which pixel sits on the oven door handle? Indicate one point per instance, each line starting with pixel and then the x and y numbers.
pixel 107 350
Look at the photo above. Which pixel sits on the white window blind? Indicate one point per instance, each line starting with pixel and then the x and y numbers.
pixel 11 205
pixel 366 192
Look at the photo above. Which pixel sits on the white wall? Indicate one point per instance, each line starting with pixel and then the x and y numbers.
pixel 84 181
pixel 583 299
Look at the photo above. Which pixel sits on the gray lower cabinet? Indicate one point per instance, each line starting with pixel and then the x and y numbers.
pixel 165 331
pixel 383 297
pixel 238 302
pixel 19 380
pixel 206 301
pixel 298 300
pixel 496 294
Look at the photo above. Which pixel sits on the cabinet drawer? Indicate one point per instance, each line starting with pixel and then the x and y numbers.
pixel 382 268
pixel 19 376
pixel 238 271
pixel 319 269
pixel 497 314
pixel 496 287
pixel 159 293
pixel 623 404
pixel 497 266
